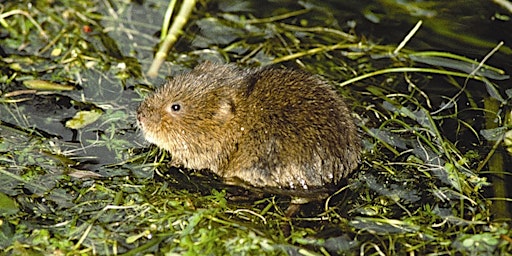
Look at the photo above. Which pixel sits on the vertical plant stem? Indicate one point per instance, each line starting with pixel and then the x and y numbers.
pixel 167 19
pixel 496 165
pixel 179 22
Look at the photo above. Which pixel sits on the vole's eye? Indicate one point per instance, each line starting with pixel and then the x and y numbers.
pixel 175 107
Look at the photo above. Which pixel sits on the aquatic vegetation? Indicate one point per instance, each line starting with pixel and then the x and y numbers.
pixel 77 178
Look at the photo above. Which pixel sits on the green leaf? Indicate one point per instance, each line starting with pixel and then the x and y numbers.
pixel 83 118
pixel 47 85
pixel 7 205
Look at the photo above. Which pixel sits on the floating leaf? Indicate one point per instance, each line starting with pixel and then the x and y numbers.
pixel 215 32
pixel 47 85
pixel 449 60
pixel 493 134
pixel 83 118
pixel 7 205
pixel 392 191
pixel 422 117
pixel 384 226
pixel 235 6
pixel 508 92
pixel 392 139
pixel 84 174
pixel 403 111
pixel 493 92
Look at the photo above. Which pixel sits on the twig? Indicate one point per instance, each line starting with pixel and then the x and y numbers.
pixel 482 63
pixel 471 75
pixel 408 37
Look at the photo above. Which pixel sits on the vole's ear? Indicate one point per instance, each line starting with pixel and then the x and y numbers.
pixel 226 110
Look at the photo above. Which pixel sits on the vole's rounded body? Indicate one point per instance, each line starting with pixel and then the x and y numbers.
pixel 269 128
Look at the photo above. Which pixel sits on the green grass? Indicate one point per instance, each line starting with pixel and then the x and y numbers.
pixel 77 178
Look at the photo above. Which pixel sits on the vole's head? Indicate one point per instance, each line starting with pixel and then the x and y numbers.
pixel 190 115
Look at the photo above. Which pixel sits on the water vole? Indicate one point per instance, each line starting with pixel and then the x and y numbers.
pixel 280 129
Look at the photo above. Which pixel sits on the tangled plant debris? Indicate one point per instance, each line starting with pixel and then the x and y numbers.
pixel 77 178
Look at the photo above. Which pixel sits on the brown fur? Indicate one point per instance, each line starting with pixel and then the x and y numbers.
pixel 268 128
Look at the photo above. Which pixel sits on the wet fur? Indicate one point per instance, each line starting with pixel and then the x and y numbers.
pixel 262 127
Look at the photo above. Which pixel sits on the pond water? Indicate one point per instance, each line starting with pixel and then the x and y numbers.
pixel 58 146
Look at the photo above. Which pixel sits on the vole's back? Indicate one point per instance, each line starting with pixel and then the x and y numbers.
pixel 297 132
